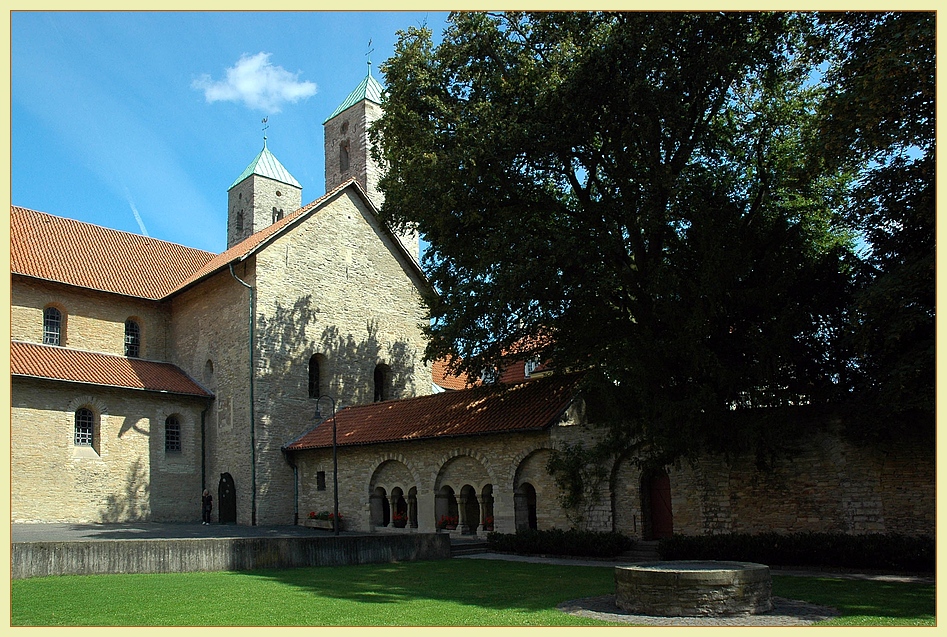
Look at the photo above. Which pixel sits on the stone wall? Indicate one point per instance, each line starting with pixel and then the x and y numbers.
pixel 502 462
pixel 350 129
pixel 209 340
pixel 334 287
pixel 829 485
pixel 256 197
pixel 45 559
pixel 125 476
pixel 92 321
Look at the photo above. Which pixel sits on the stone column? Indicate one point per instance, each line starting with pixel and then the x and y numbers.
pixel 462 514
pixel 412 511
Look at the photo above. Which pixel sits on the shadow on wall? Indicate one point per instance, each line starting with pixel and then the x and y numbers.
pixel 351 365
pixel 133 503
pixel 348 360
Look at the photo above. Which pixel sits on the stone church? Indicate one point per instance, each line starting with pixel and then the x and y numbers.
pixel 143 372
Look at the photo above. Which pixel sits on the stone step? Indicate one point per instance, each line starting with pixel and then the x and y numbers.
pixel 644 551
pixel 467 547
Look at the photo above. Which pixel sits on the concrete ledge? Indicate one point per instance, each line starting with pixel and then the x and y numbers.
pixel 94 557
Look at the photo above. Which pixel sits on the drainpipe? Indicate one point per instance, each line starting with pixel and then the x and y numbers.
pixel 291 459
pixel 252 410
pixel 203 452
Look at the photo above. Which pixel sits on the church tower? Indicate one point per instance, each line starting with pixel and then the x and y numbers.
pixel 348 148
pixel 260 196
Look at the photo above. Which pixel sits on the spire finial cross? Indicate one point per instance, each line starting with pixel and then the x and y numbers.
pixel 369 55
pixel 265 126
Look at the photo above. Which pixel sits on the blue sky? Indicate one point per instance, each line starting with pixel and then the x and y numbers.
pixel 141 121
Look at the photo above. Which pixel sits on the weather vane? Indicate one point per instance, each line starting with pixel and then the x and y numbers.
pixel 369 56
pixel 265 126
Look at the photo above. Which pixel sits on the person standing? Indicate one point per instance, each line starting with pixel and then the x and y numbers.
pixel 207 504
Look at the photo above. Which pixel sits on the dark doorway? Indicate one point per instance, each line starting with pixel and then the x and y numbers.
pixel 226 500
pixel 471 508
pixel 524 506
pixel 656 505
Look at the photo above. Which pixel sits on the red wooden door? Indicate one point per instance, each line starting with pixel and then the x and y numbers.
pixel 662 522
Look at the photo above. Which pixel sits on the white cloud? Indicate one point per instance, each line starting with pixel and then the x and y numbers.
pixel 256 83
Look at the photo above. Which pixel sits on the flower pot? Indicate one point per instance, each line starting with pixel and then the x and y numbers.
pixel 320 524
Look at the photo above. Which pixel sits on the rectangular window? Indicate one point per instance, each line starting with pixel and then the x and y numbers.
pixel 52 326
pixel 172 435
pixel 84 427
pixel 132 339
pixel 321 481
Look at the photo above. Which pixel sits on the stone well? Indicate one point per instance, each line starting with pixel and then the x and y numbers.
pixel 693 588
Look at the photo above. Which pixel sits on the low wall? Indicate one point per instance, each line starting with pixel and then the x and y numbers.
pixel 96 557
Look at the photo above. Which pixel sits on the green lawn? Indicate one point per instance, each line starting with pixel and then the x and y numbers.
pixel 442 593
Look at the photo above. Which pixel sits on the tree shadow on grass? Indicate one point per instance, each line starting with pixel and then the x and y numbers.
pixel 861 598
pixel 512 586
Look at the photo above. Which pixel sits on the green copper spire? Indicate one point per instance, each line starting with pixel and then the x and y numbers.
pixel 369 90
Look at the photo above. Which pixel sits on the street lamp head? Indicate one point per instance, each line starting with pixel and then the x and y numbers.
pixel 318 415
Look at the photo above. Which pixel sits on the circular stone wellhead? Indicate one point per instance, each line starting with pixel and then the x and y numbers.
pixel 694 588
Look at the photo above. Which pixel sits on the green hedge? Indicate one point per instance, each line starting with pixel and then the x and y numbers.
pixel 889 551
pixel 558 542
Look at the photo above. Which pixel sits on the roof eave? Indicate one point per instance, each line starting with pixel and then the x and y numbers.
pixel 423 438
pixel 206 397
pixel 86 287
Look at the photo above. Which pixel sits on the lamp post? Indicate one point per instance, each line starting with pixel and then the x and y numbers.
pixel 335 463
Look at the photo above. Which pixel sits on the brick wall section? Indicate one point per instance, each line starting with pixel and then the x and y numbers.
pixel 830 485
pixel 93 321
pixel 129 477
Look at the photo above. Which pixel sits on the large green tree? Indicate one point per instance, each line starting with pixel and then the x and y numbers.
pixel 877 121
pixel 625 194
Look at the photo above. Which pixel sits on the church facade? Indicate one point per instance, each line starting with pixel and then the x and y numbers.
pixel 143 372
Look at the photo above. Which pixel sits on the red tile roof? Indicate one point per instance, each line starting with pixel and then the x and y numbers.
pixel 442 376
pixel 530 406
pixel 69 251
pixel 76 253
pixel 255 241
pixel 513 372
pixel 61 363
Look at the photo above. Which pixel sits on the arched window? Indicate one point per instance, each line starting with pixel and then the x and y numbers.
pixel 344 156
pixel 382 381
pixel 277 214
pixel 239 223
pixel 85 428
pixel 132 339
pixel 52 326
pixel 172 435
pixel 315 376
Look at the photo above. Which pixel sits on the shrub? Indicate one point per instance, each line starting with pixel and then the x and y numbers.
pixel 890 551
pixel 558 542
